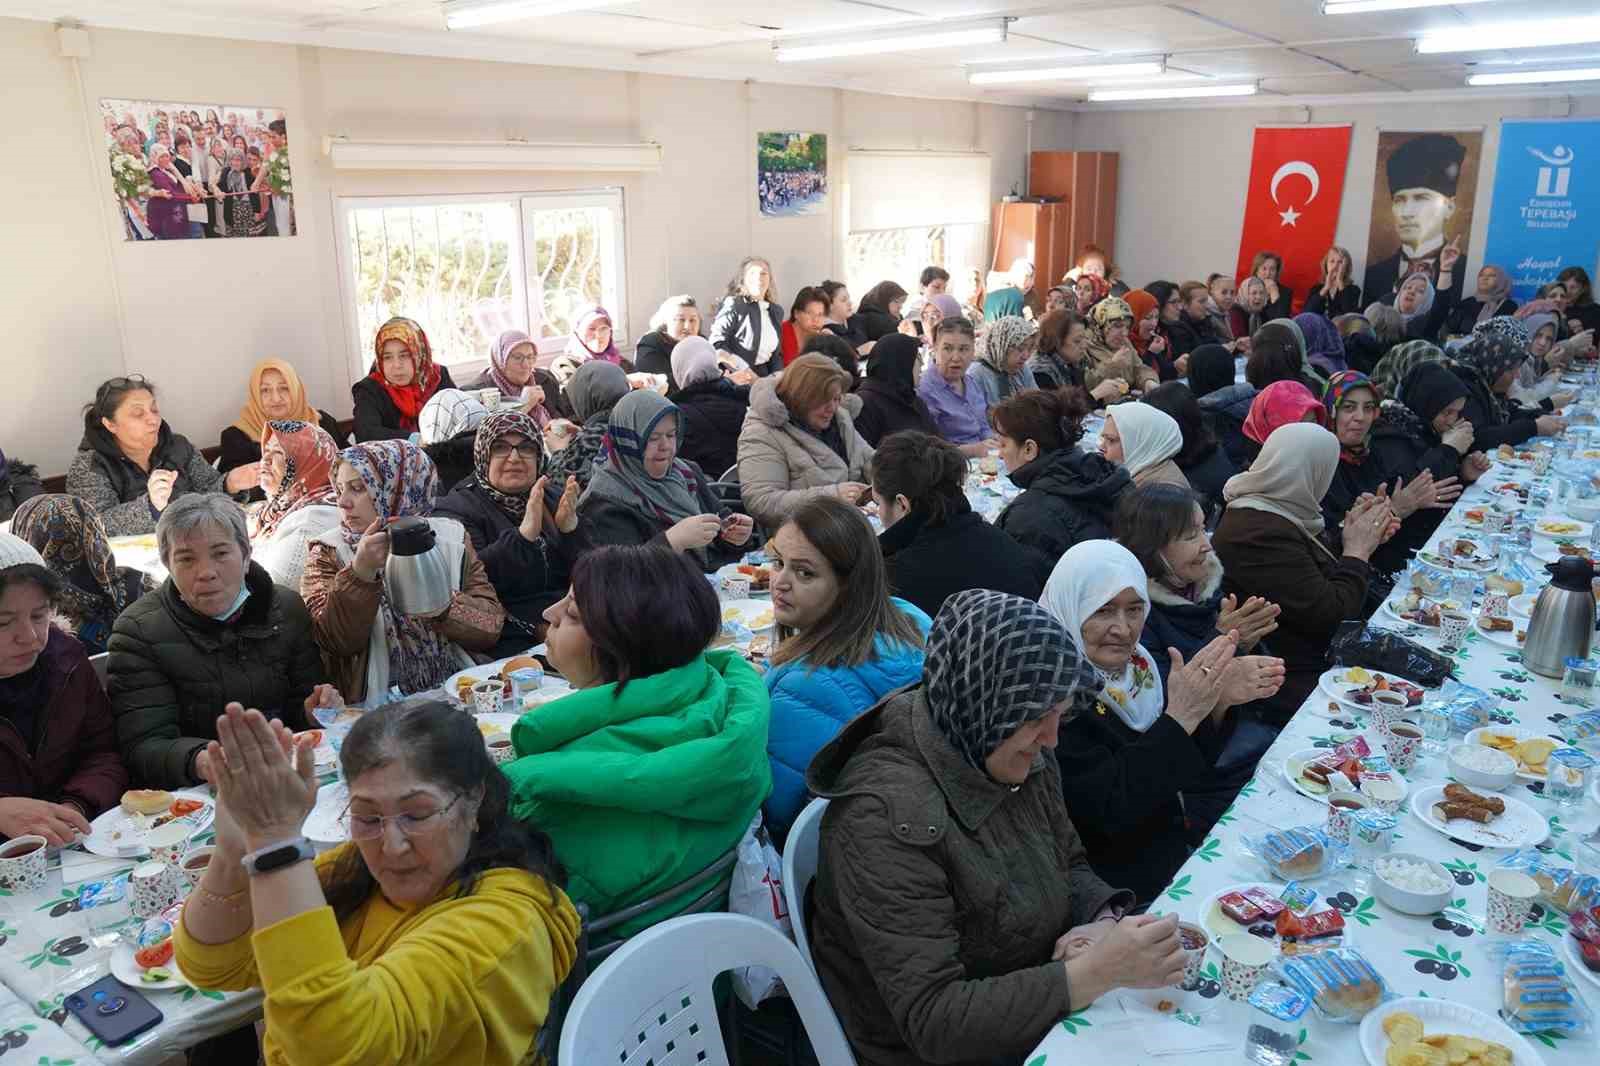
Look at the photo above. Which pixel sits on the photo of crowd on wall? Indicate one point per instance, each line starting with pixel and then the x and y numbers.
pixel 183 171
pixel 792 173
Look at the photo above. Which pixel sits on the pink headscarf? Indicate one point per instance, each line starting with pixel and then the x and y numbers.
pixel 578 349
pixel 498 354
pixel 1280 404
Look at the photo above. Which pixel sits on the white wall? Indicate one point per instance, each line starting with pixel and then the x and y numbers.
pixel 1184 173
pixel 83 305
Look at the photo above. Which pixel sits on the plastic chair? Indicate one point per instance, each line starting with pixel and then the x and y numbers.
pixel 800 868
pixel 730 476
pixel 711 884
pixel 652 1002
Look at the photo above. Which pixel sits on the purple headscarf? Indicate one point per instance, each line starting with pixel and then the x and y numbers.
pixel 498 354
pixel 579 349
pixel 1324 347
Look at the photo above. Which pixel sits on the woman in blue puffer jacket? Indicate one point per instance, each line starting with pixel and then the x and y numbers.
pixel 843 642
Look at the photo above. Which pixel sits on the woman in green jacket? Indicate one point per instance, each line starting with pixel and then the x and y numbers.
pixel 656 765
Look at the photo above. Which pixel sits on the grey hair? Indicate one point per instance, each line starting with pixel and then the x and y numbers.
pixel 189 512
pixel 669 309
pixel 1387 325
pixel 235 152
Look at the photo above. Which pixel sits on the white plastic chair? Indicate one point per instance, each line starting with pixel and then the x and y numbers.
pixel 99 662
pixel 799 868
pixel 651 1001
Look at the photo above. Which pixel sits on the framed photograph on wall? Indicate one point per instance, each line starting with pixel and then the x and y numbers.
pixel 195 171
pixel 792 174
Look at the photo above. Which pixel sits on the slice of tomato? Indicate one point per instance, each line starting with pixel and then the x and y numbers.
pixel 181 807
pixel 154 955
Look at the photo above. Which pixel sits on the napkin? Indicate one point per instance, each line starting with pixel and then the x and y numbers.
pixel 1167 1034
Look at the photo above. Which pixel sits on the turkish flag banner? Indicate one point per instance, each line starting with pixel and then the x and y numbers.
pixel 1292 204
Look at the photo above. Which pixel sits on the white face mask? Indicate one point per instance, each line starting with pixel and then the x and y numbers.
pixel 244 594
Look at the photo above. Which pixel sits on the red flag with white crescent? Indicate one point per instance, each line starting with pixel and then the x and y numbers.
pixel 1292 204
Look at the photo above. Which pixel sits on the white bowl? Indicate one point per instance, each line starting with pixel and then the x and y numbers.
pixel 1473 778
pixel 1584 510
pixel 1408 902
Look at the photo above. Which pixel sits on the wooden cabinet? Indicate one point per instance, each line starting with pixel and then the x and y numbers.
pixel 1085 183
pixel 1040 233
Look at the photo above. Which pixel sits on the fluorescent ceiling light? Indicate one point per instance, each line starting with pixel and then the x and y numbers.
pixel 1535 77
pixel 1181 92
pixel 1525 33
pixel 911 37
pixel 1357 7
pixel 1059 72
pixel 465 14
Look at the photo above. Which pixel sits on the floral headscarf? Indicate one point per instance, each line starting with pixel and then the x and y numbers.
pixel 492 429
pixel 67 532
pixel 1339 386
pixel 309 454
pixel 408 399
pixel 1395 367
pixel 1489 356
pixel 403 484
pixel 1281 403
pixel 995 662
pixel 1002 337
pixel 1106 313
pixel 1515 330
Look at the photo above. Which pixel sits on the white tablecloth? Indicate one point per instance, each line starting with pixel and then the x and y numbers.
pixel 1437 956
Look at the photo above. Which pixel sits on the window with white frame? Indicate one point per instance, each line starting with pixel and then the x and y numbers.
pixel 470 267
pixel 909 210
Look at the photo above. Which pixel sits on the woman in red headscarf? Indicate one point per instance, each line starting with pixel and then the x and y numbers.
pixel 403 377
pixel 1279 404
pixel 1147 336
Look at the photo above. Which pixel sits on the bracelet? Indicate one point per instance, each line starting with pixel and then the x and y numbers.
pixel 233 900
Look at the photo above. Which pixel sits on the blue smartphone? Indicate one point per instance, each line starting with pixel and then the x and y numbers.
pixel 112 1011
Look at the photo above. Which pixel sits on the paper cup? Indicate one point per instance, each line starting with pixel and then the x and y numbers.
pixel 153 887
pixel 1387 796
pixel 22 864
pixel 1342 806
pixel 1402 741
pixel 167 843
pixel 1496 521
pixel 1495 605
pixel 1195 940
pixel 1245 962
pixel 736 588
pixel 488 696
pixel 1386 705
pixel 195 863
pixel 500 749
pixel 1453 628
pixel 1511 896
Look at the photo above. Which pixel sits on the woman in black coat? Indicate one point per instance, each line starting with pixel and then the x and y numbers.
pixel 879 312
pixel 933 543
pixel 18 482
pixel 749 322
pixel 1488 365
pixel 1494 292
pixel 1336 293
pixel 526 552
pixel 711 408
pixel 677 318
pixel 889 400
pixel 1202 460
pixel 1068 495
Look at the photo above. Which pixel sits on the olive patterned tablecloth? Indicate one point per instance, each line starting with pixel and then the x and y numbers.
pixel 1439 956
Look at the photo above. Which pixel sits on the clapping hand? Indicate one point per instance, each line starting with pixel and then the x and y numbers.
pixel 567 508
pixel 532 523
pixel 1248 678
pixel 1252 620
pixel 265 781
pixel 1193 689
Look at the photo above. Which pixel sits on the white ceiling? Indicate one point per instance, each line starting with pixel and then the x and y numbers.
pixel 1298 55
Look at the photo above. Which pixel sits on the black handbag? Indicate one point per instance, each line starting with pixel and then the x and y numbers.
pixel 1357 644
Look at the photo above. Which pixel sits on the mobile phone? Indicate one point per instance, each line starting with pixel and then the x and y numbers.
pixel 112 1011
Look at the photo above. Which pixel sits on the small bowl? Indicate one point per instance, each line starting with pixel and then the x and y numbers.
pixel 1492 780
pixel 1584 510
pixel 1408 902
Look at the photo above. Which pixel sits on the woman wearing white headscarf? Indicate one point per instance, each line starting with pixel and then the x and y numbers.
pixel 447 427
pixel 1144 440
pixel 1127 757
pixel 1269 541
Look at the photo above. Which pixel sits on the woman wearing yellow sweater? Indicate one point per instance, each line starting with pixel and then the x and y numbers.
pixel 437 936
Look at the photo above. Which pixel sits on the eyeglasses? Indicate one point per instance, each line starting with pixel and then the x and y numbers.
pixel 370 826
pixel 527 450
pixel 521 359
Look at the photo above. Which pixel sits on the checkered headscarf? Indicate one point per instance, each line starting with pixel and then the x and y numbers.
pixel 995 662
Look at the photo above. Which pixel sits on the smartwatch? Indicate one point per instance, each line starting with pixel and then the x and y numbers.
pixel 277 856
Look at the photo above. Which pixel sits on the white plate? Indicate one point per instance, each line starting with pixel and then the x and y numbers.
pixel 1546 550
pixel 1217 924
pixel 1332 682
pixel 1391 610
pixel 1519 827
pixel 130 845
pixel 1580 532
pixel 755 615
pixel 1503 638
pixel 1521 733
pixel 1575 960
pixel 326 823
pixel 1523 605
pixel 489 724
pixel 485 672
pixel 1292 764
pixel 732 570
pixel 1443 1016
pixel 124 969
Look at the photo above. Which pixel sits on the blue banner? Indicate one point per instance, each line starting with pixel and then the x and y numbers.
pixel 1545 215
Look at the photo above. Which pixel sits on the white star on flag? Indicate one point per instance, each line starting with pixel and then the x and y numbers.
pixel 1289 217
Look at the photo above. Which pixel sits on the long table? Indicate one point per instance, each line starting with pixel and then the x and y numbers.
pixel 1445 956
